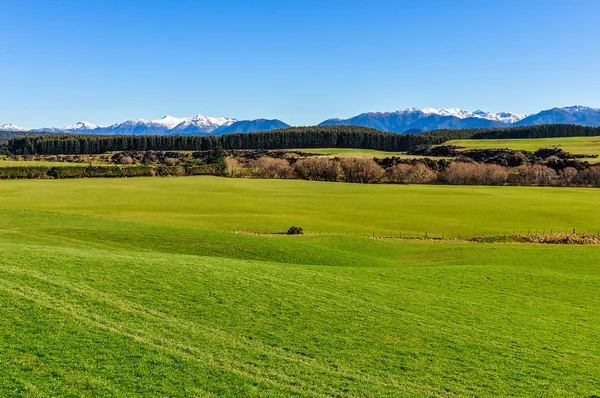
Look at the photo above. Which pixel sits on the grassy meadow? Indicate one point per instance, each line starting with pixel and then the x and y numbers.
pixel 579 145
pixel 355 153
pixel 328 208
pixel 18 163
pixel 137 287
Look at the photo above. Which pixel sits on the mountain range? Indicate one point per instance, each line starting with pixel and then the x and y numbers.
pixel 415 120
pixel 410 120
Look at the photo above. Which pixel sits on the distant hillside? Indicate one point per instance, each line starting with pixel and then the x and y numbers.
pixel 409 121
pixel 415 120
pixel 251 126
pixel 581 115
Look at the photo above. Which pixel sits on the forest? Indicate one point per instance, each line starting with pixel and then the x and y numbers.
pixel 294 137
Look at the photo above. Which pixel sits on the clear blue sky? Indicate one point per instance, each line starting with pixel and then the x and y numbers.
pixel 300 61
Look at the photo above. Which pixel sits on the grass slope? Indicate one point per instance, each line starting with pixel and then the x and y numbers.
pixel 360 153
pixel 100 298
pixel 348 152
pixel 583 145
pixel 275 205
pixel 13 163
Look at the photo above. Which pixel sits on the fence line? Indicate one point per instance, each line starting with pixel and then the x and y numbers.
pixel 411 234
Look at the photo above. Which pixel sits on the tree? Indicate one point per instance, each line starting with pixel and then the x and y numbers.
pixel 217 157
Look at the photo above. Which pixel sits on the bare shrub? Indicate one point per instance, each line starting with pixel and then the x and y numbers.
pixel 458 174
pixel 318 169
pixel 360 170
pixel 233 168
pixel 589 177
pixel 266 167
pixel 411 174
pixel 474 174
pixel 493 174
pixel 567 176
pixel 533 175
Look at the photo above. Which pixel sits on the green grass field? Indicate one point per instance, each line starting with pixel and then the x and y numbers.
pixel 350 152
pixel 580 145
pixel 357 153
pixel 134 287
pixel 14 163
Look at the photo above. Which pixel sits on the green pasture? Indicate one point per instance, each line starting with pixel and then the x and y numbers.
pixel 16 163
pixel 579 145
pixel 135 287
pixel 349 152
pixel 355 153
pixel 332 208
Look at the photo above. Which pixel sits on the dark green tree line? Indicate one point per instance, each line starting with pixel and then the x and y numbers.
pixel 295 137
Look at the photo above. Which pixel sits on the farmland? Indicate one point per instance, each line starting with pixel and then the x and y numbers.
pixel 347 152
pixel 13 163
pixel 138 287
pixel 579 145
pixel 332 208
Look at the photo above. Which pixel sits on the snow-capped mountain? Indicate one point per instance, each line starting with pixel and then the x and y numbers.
pixel 81 126
pixel 140 127
pixel 578 114
pixel 414 119
pixel 201 125
pixel 456 112
pixel 411 120
pixel 169 121
pixel 504 117
pixel 197 125
pixel 12 127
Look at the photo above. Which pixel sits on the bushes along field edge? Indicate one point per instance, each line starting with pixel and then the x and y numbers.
pixel 352 170
pixel 63 172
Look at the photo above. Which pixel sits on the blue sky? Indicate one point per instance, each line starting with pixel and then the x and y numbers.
pixel 299 61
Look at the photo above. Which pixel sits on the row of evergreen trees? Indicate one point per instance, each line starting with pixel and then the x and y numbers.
pixel 539 131
pixel 295 137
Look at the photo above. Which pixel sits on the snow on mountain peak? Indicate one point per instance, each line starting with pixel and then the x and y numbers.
pixel 207 120
pixel 456 112
pixel 81 126
pixel 505 117
pixel 578 109
pixel 168 121
pixel 509 117
pixel 11 127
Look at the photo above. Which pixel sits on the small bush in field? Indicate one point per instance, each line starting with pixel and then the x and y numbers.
pixel 295 231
